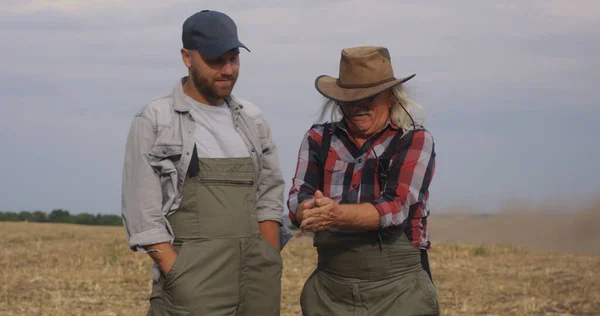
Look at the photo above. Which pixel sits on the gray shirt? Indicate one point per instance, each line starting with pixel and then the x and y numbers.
pixel 216 136
pixel 157 156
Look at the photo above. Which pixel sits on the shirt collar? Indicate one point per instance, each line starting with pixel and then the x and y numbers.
pixel 344 126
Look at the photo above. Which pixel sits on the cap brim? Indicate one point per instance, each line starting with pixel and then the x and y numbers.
pixel 219 48
pixel 328 87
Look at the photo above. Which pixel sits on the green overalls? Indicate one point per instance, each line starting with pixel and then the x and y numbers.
pixel 357 276
pixel 224 266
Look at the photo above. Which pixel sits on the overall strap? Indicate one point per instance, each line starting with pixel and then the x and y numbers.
pixel 399 142
pixel 325 144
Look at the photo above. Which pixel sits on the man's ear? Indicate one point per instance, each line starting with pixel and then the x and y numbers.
pixel 186 56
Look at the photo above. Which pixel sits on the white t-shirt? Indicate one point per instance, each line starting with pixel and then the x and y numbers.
pixel 215 134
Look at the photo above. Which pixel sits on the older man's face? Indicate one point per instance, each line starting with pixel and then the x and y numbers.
pixel 367 117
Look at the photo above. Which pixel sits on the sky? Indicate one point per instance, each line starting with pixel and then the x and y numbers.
pixel 508 88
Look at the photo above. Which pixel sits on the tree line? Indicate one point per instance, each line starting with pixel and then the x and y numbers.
pixel 61 216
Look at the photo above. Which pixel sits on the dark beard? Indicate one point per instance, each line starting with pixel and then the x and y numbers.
pixel 204 87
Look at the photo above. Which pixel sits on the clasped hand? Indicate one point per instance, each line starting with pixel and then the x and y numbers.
pixel 319 213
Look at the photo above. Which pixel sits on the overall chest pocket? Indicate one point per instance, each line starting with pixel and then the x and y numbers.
pixel 227 185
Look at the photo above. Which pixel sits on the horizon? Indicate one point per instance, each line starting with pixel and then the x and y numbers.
pixel 507 89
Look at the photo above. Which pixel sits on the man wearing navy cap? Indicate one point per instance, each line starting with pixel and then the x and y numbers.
pixel 202 187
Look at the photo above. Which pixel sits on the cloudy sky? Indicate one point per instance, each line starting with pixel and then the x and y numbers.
pixel 509 89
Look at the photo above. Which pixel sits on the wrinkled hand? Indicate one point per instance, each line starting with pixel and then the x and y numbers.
pixel 324 214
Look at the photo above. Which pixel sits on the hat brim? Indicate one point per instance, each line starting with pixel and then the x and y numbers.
pixel 328 87
pixel 219 48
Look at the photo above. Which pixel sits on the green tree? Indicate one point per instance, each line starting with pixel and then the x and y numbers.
pixel 62 216
pixel 9 217
pixel 59 216
pixel 39 217
pixel 25 216
pixel 83 219
pixel 110 220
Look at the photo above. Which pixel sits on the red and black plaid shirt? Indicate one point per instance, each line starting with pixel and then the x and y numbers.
pixel 351 176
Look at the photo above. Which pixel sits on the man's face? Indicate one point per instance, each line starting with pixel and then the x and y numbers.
pixel 366 117
pixel 214 78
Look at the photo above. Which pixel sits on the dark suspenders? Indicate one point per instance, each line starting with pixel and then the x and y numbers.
pixel 325 144
pixel 398 142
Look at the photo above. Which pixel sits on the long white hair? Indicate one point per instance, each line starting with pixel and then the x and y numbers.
pixel 398 115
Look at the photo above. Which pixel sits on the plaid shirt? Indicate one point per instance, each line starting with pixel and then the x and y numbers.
pixel 351 177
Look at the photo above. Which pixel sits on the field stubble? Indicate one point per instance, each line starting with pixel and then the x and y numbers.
pixel 61 269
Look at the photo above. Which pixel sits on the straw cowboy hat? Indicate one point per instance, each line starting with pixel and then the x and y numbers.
pixel 364 72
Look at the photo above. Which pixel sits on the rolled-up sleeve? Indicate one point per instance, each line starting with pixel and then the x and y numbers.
pixel 407 181
pixel 142 214
pixel 306 179
pixel 271 183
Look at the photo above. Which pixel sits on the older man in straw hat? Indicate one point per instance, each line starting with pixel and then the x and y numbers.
pixel 361 186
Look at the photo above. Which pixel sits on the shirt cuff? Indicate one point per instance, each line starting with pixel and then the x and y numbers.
pixel 274 216
pixel 385 212
pixel 293 206
pixel 149 237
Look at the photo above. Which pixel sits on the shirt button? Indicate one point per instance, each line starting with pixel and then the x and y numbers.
pixel 359 160
pixel 187 153
pixel 164 152
pixel 180 180
pixel 236 125
pixel 252 150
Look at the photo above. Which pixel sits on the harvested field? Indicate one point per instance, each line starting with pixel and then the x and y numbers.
pixel 61 269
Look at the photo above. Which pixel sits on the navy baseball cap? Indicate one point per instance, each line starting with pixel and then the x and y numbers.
pixel 212 33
